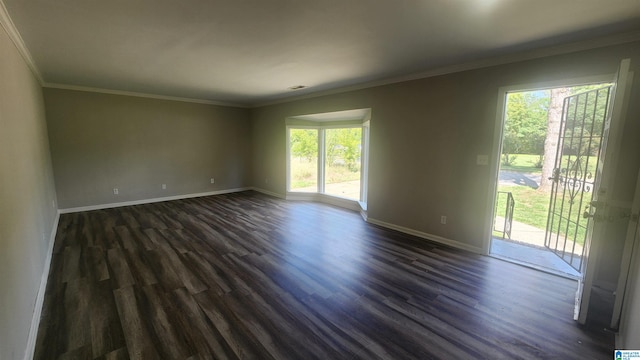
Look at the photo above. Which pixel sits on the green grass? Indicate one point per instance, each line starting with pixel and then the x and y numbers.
pixel 527 163
pixel 522 163
pixel 531 207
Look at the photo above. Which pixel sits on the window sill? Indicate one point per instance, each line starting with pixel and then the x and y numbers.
pixel 327 199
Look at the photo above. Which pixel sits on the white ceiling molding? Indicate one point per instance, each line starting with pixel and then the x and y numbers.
pixel 14 35
pixel 142 95
pixel 594 43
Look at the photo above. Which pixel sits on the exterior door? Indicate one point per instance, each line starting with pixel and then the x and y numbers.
pixel 589 133
pixel 605 171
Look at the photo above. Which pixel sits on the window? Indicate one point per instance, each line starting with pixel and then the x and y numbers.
pixel 303 160
pixel 328 157
pixel 342 162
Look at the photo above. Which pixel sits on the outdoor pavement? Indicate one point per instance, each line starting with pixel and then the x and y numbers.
pixel 519 178
pixel 531 235
pixel 527 247
pixel 536 257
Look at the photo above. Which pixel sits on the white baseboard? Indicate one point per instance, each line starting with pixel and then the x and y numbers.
pixel 420 234
pixel 37 310
pixel 149 201
pixel 267 192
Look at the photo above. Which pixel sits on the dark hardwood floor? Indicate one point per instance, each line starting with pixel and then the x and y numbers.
pixel 247 276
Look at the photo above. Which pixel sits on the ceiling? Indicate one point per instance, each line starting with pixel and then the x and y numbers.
pixel 248 52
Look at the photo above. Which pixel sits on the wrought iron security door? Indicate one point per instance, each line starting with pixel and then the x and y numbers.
pixel 574 176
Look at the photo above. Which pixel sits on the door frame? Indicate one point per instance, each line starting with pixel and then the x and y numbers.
pixel 494 165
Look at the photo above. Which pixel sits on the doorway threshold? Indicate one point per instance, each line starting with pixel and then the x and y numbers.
pixel 535 257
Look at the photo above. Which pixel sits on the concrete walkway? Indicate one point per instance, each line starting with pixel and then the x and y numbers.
pixel 532 235
pixel 526 247
pixel 539 258
pixel 516 178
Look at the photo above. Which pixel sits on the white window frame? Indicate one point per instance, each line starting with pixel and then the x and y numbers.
pixel 320 193
pixel 288 148
pixel 364 168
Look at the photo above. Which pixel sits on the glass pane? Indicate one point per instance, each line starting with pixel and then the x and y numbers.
pixel 342 162
pixel 303 163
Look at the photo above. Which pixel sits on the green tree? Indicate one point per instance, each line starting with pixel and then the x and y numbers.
pixel 583 98
pixel 343 146
pixel 525 123
pixel 304 143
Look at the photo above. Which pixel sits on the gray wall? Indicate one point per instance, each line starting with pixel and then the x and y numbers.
pixel 101 141
pixel 27 198
pixel 425 135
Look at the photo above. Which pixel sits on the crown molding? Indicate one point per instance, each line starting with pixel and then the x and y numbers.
pixel 594 43
pixel 142 95
pixel 14 35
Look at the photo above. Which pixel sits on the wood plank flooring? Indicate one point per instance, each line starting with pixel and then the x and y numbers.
pixel 247 276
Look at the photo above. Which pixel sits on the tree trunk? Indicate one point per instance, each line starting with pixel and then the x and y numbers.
pixel 554 116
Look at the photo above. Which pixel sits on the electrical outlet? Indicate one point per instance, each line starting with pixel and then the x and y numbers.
pixel 443 220
pixel 164 186
pixel 213 181
pixel 115 191
pixel 266 180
